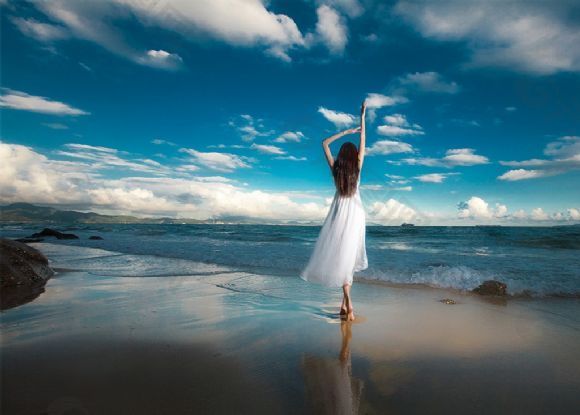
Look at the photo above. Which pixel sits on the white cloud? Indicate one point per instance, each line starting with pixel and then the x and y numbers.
pixel 522 174
pixel 434 177
pixel 398 120
pixel 161 59
pixel 565 157
pixel 27 176
pixel 22 101
pixel 291 158
pixel 332 29
pixel 250 128
pixel 477 208
pixel 56 125
pixel 372 187
pixel 427 82
pixel 224 162
pixel 339 119
pixel 574 213
pixel 397 125
pixel 246 23
pixel 267 149
pixel 376 101
pixel 463 157
pixel 391 212
pixel 539 214
pixel 159 141
pixel 385 147
pixel 41 31
pixel 395 131
pixel 290 136
pixel 453 157
pixel 99 157
pixel 403 189
pixel 352 8
pixel 535 37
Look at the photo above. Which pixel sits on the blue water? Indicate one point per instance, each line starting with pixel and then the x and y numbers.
pixel 531 260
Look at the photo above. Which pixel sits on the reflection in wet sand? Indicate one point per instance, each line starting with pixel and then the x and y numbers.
pixel 330 386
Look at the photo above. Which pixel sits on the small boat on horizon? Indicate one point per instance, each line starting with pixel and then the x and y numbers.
pixel 407 225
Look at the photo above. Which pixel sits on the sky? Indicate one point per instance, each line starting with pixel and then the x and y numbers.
pixel 215 109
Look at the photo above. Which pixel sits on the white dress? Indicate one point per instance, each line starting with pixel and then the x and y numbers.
pixel 340 248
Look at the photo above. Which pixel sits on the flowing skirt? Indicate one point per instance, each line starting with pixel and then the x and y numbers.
pixel 340 248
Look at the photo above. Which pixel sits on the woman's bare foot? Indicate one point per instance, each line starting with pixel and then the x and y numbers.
pixel 342 308
pixel 350 315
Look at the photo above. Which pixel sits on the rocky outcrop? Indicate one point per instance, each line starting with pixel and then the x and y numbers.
pixel 51 232
pixel 491 287
pixel 23 273
pixel 95 238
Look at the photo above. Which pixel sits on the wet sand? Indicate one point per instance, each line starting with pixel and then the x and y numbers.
pixel 231 342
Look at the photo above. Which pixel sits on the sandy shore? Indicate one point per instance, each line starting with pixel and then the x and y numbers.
pixel 230 342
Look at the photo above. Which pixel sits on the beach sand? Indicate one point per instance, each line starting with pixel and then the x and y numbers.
pixel 227 342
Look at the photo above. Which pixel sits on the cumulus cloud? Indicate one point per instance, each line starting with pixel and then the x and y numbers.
pixel 477 208
pixel 535 37
pixel 290 136
pixel 453 157
pixel 27 176
pixel 397 126
pixel 25 102
pixel 339 119
pixel 564 156
pixel 391 212
pixel 426 82
pixel 385 147
pixel 331 29
pixel 235 22
pixel 223 162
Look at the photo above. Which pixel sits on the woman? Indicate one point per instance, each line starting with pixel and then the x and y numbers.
pixel 340 249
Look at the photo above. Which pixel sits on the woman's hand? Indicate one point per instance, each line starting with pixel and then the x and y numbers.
pixel 352 131
pixel 363 108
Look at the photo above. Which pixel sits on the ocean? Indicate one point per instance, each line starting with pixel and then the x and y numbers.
pixel 532 261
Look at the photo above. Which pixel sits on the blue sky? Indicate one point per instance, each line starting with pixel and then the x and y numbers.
pixel 215 109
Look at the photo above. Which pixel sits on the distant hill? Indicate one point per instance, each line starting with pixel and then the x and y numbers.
pixel 26 212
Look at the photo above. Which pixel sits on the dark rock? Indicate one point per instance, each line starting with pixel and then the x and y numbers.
pixel 491 287
pixel 29 240
pixel 447 301
pixel 23 273
pixel 95 238
pixel 56 234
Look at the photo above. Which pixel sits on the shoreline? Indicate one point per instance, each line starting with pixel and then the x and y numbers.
pixel 229 341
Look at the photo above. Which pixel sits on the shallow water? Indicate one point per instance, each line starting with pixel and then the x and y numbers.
pixel 537 261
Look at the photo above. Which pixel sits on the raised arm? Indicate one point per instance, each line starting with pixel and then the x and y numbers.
pixel 362 144
pixel 326 142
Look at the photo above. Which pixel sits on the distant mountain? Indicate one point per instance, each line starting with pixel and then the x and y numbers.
pixel 26 212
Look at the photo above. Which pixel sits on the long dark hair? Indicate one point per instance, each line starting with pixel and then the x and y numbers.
pixel 345 169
